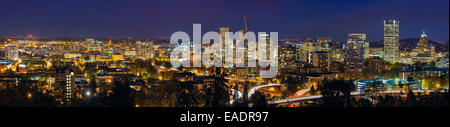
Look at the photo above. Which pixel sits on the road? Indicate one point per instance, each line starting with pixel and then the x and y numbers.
pixel 297 99
pixel 252 91
pixel 239 95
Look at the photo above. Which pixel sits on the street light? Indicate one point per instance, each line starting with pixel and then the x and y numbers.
pixel 29 95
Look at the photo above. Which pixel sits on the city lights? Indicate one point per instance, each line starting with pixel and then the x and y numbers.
pixel 332 55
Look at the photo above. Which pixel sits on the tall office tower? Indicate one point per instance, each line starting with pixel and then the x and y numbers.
pixel 354 56
pixel 286 57
pixel 240 50
pixel 109 48
pixel 360 38
pixel 140 51
pixel 423 43
pixel 222 33
pixel 366 49
pixel 306 50
pixel 321 61
pixel 391 38
pixel 145 49
pixel 267 49
pixel 222 39
pixel 298 53
pixel 323 43
pixel 150 50
pixel 12 53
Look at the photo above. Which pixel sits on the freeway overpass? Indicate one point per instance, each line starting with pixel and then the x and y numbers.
pixel 252 91
pixel 299 99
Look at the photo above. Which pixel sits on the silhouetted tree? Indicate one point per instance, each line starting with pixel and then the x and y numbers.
pixel 25 94
pixel 186 95
pixel 411 99
pixel 241 102
pixel 313 91
pixel 259 100
pixel 121 93
pixel 292 84
pixel 217 94
pixel 336 93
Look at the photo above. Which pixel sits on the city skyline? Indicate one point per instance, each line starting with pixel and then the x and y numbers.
pixel 224 62
pixel 119 19
pixel 226 58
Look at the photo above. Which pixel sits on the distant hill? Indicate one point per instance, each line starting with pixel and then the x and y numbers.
pixel 376 44
pixel 410 43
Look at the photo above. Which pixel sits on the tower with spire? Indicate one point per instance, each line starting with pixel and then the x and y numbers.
pixel 423 43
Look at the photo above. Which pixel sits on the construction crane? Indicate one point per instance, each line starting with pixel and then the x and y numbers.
pixel 245 22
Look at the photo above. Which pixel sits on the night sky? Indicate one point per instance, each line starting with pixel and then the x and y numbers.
pixel 292 19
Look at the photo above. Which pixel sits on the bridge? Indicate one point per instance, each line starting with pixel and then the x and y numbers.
pixel 25 42
pixel 299 99
pixel 252 91
pixel 239 95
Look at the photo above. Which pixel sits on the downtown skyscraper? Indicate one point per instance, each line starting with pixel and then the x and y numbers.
pixel 354 57
pixel 391 38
